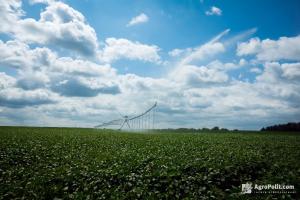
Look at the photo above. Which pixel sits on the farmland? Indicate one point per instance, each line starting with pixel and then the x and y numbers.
pixel 48 163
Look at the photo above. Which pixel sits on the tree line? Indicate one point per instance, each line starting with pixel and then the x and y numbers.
pixel 292 126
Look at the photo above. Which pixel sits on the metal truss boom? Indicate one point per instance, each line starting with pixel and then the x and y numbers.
pixel 144 120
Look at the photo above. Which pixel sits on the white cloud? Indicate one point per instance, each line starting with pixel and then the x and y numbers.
pixel 206 51
pixel 219 36
pixel 256 70
pixel 41 1
pixel 177 52
pixel 10 13
pixel 18 55
pixel 122 48
pixel 29 80
pixel 181 97
pixel 17 98
pixel 214 11
pixel 194 76
pixel 274 83
pixel 280 80
pixel 251 47
pixel 6 81
pixel 203 52
pixel 240 37
pixel 216 64
pixel 41 68
pixel 272 73
pixel 131 83
pixel 291 70
pixel 285 48
pixel 59 25
pixel 243 62
pixel 77 67
pixel 62 26
pixel 84 86
pixel 141 18
pixel 275 88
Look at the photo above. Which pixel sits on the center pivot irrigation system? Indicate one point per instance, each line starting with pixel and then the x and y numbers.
pixel 143 121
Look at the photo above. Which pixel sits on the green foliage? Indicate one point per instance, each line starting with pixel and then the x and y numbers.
pixel 48 163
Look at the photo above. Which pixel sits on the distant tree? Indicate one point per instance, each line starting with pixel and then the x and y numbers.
pixel 283 127
pixel 224 129
pixel 215 128
pixel 205 129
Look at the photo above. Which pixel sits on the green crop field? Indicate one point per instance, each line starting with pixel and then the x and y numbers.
pixel 67 163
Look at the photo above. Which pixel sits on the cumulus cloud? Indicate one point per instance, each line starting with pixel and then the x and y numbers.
pixel 40 68
pixel 275 82
pixel 280 73
pixel 214 11
pixel 194 76
pixel 10 13
pixel 84 87
pixel 131 83
pixel 218 65
pixel 291 70
pixel 255 70
pixel 17 98
pixel 18 55
pixel 285 48
pixel 78 67
pixel 141 18
pixel 125 49
pixel 59 25
pixel 208 88
pixel 33 80
pixel 6 81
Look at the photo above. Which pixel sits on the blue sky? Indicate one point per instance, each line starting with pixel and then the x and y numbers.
pixel 172 22
pixel 206 62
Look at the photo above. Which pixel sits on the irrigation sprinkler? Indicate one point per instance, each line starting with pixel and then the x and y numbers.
pixel 143 121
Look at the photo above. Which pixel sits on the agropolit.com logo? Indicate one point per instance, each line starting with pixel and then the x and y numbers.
pixel 249 188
